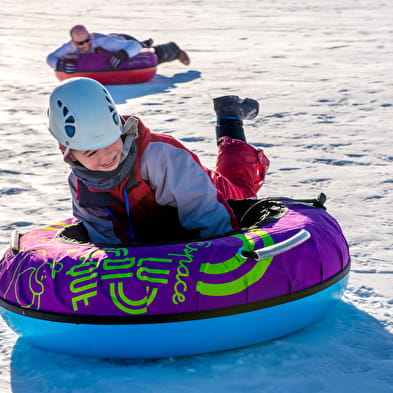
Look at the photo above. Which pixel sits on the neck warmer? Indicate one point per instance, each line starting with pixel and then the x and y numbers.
pixel 105 181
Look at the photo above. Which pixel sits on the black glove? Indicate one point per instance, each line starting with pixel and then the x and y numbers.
pixel 117 58
pixel 66 65
pixel 147 43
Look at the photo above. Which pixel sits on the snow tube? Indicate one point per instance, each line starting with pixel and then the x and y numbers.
pixel 137 69
pixel 272 278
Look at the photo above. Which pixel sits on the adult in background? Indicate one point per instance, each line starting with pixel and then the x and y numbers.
pixel 122 46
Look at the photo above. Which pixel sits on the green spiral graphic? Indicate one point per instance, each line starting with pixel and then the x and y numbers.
pixel 230 265
pixel 136 306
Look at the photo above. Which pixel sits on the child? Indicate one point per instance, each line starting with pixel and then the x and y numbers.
pixel 132 185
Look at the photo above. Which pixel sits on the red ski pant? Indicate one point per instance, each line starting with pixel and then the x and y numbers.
pixel 240 169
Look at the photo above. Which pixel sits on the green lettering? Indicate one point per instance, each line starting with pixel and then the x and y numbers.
pixel 142 260
pixel 118 264
pixel 85 298
pixel 78 270
pixel 143 277
pixel 178 298
pixel 111 264
pixel 75 289
pixel 116 276
pixel 117 251
pixel 185 272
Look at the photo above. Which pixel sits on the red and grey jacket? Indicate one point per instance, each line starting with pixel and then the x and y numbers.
pixel 168 184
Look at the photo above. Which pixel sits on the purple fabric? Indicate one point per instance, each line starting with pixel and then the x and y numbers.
pixel 49 275
pixel 99 62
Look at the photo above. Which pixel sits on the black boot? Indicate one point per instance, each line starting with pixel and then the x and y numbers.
pixel 231 111
pixel 170 52
pixel 235 107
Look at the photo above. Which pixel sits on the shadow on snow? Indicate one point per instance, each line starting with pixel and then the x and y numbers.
pixel 347 343
pixel 159 84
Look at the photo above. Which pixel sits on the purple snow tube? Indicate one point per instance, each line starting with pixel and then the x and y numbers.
pixel 51 276
pixel 137 69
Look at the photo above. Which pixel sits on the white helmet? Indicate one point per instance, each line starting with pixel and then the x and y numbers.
pixel 83 115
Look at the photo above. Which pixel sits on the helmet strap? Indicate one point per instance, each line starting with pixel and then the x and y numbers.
pixel 130 127
pixel 65 151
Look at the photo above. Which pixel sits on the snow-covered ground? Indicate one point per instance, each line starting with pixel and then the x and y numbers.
pixel 322 70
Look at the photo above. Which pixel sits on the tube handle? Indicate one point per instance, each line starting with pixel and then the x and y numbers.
pixel 14 242
pixel 278 248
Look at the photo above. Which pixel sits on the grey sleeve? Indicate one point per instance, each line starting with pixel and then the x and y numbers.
pixel 66 49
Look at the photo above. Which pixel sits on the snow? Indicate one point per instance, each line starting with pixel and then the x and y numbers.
pixel 322 72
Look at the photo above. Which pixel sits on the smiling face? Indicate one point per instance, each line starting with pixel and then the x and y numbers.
pixel 105 159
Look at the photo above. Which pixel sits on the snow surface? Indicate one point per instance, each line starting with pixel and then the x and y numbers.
pixel 322 70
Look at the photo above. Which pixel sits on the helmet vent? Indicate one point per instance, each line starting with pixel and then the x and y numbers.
pixel 115 116
pixel 70 130
pixel 70 119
